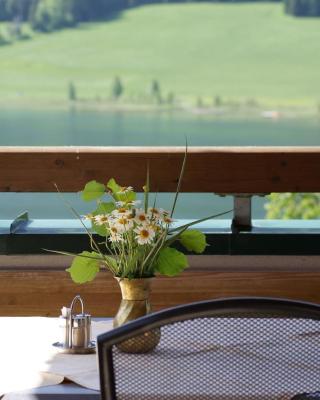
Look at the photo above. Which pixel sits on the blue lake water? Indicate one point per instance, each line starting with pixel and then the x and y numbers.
pixel 92 128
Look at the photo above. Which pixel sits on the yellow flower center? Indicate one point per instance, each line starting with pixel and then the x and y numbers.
pixel 144 233
pixel 103 219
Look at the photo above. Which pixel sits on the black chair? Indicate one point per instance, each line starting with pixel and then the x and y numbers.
pixel 236 348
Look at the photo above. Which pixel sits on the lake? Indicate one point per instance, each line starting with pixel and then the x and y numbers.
pixel 92 128
pixel 89 128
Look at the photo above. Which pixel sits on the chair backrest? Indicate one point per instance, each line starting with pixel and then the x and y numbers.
pixel 238 348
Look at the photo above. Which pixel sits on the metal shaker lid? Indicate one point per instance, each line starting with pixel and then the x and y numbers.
pixel 81 320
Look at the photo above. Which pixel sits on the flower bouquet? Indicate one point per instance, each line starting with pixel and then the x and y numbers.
pixel 137 244
pixel 138 237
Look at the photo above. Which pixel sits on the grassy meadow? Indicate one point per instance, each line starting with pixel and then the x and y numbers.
pixel 247 53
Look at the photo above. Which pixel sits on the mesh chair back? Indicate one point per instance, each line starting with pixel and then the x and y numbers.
pixel 231 349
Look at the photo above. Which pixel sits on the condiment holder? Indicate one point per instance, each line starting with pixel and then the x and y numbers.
pixel 75 330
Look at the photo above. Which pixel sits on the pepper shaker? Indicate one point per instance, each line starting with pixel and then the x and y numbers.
pixel 81 330
pixel 64 321
pixel 75 329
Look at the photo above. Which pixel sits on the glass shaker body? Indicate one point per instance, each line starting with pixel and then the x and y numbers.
pixel 64 327
pixel 81 330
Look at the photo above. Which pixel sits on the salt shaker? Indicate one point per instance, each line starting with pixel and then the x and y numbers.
pixel 81 330
pixel 75 329
pixel 64 321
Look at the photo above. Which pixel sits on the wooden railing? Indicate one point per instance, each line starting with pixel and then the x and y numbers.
pixel 208 169
pixel 37 288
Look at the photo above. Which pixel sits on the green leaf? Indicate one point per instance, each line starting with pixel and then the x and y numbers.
pixel 113 186
pixel 116 192
pixel 129 196
pixel 92 191
pixel 193 240
pixel 101 230
pixel 170 262
pixel 103 208
pixel 85 267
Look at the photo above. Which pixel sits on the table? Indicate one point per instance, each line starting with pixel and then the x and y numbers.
pixel 28 360
pixel 65 391
pixel 21 365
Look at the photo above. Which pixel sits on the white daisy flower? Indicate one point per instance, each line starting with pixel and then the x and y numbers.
pixel 88 217
pixel 133 203
pixel 115 235
pixel 114 230
pixel 141 217
pixel 154 213
pixel 145 234
pixel 130 215
pixel 123 224
pixel 167 220
pixel 121 212
pixel 101 219
pixel 115 238
pixel 125 189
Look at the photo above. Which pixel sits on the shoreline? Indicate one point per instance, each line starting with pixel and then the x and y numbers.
pixel 224 111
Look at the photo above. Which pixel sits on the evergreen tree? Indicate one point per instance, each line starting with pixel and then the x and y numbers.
pixel 3 11
pixel 314 8
pixel 50 15
pixel 155 91
pixel 16 9
pixel 302 8
pixel 72 92
pixel 116 88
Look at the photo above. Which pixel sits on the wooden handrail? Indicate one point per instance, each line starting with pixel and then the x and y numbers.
pixel 209 169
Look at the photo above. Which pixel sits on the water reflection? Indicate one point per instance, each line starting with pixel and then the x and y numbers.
pixel 93 128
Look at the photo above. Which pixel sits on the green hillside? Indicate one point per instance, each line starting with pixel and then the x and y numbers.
pixel 236 51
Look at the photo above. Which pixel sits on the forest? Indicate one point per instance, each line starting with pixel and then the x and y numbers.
pixel 49 15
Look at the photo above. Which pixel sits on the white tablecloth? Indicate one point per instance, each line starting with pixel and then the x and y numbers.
pixel 28 359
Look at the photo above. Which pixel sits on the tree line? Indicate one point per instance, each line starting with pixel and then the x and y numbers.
pixel 302 8
pixel 49 15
